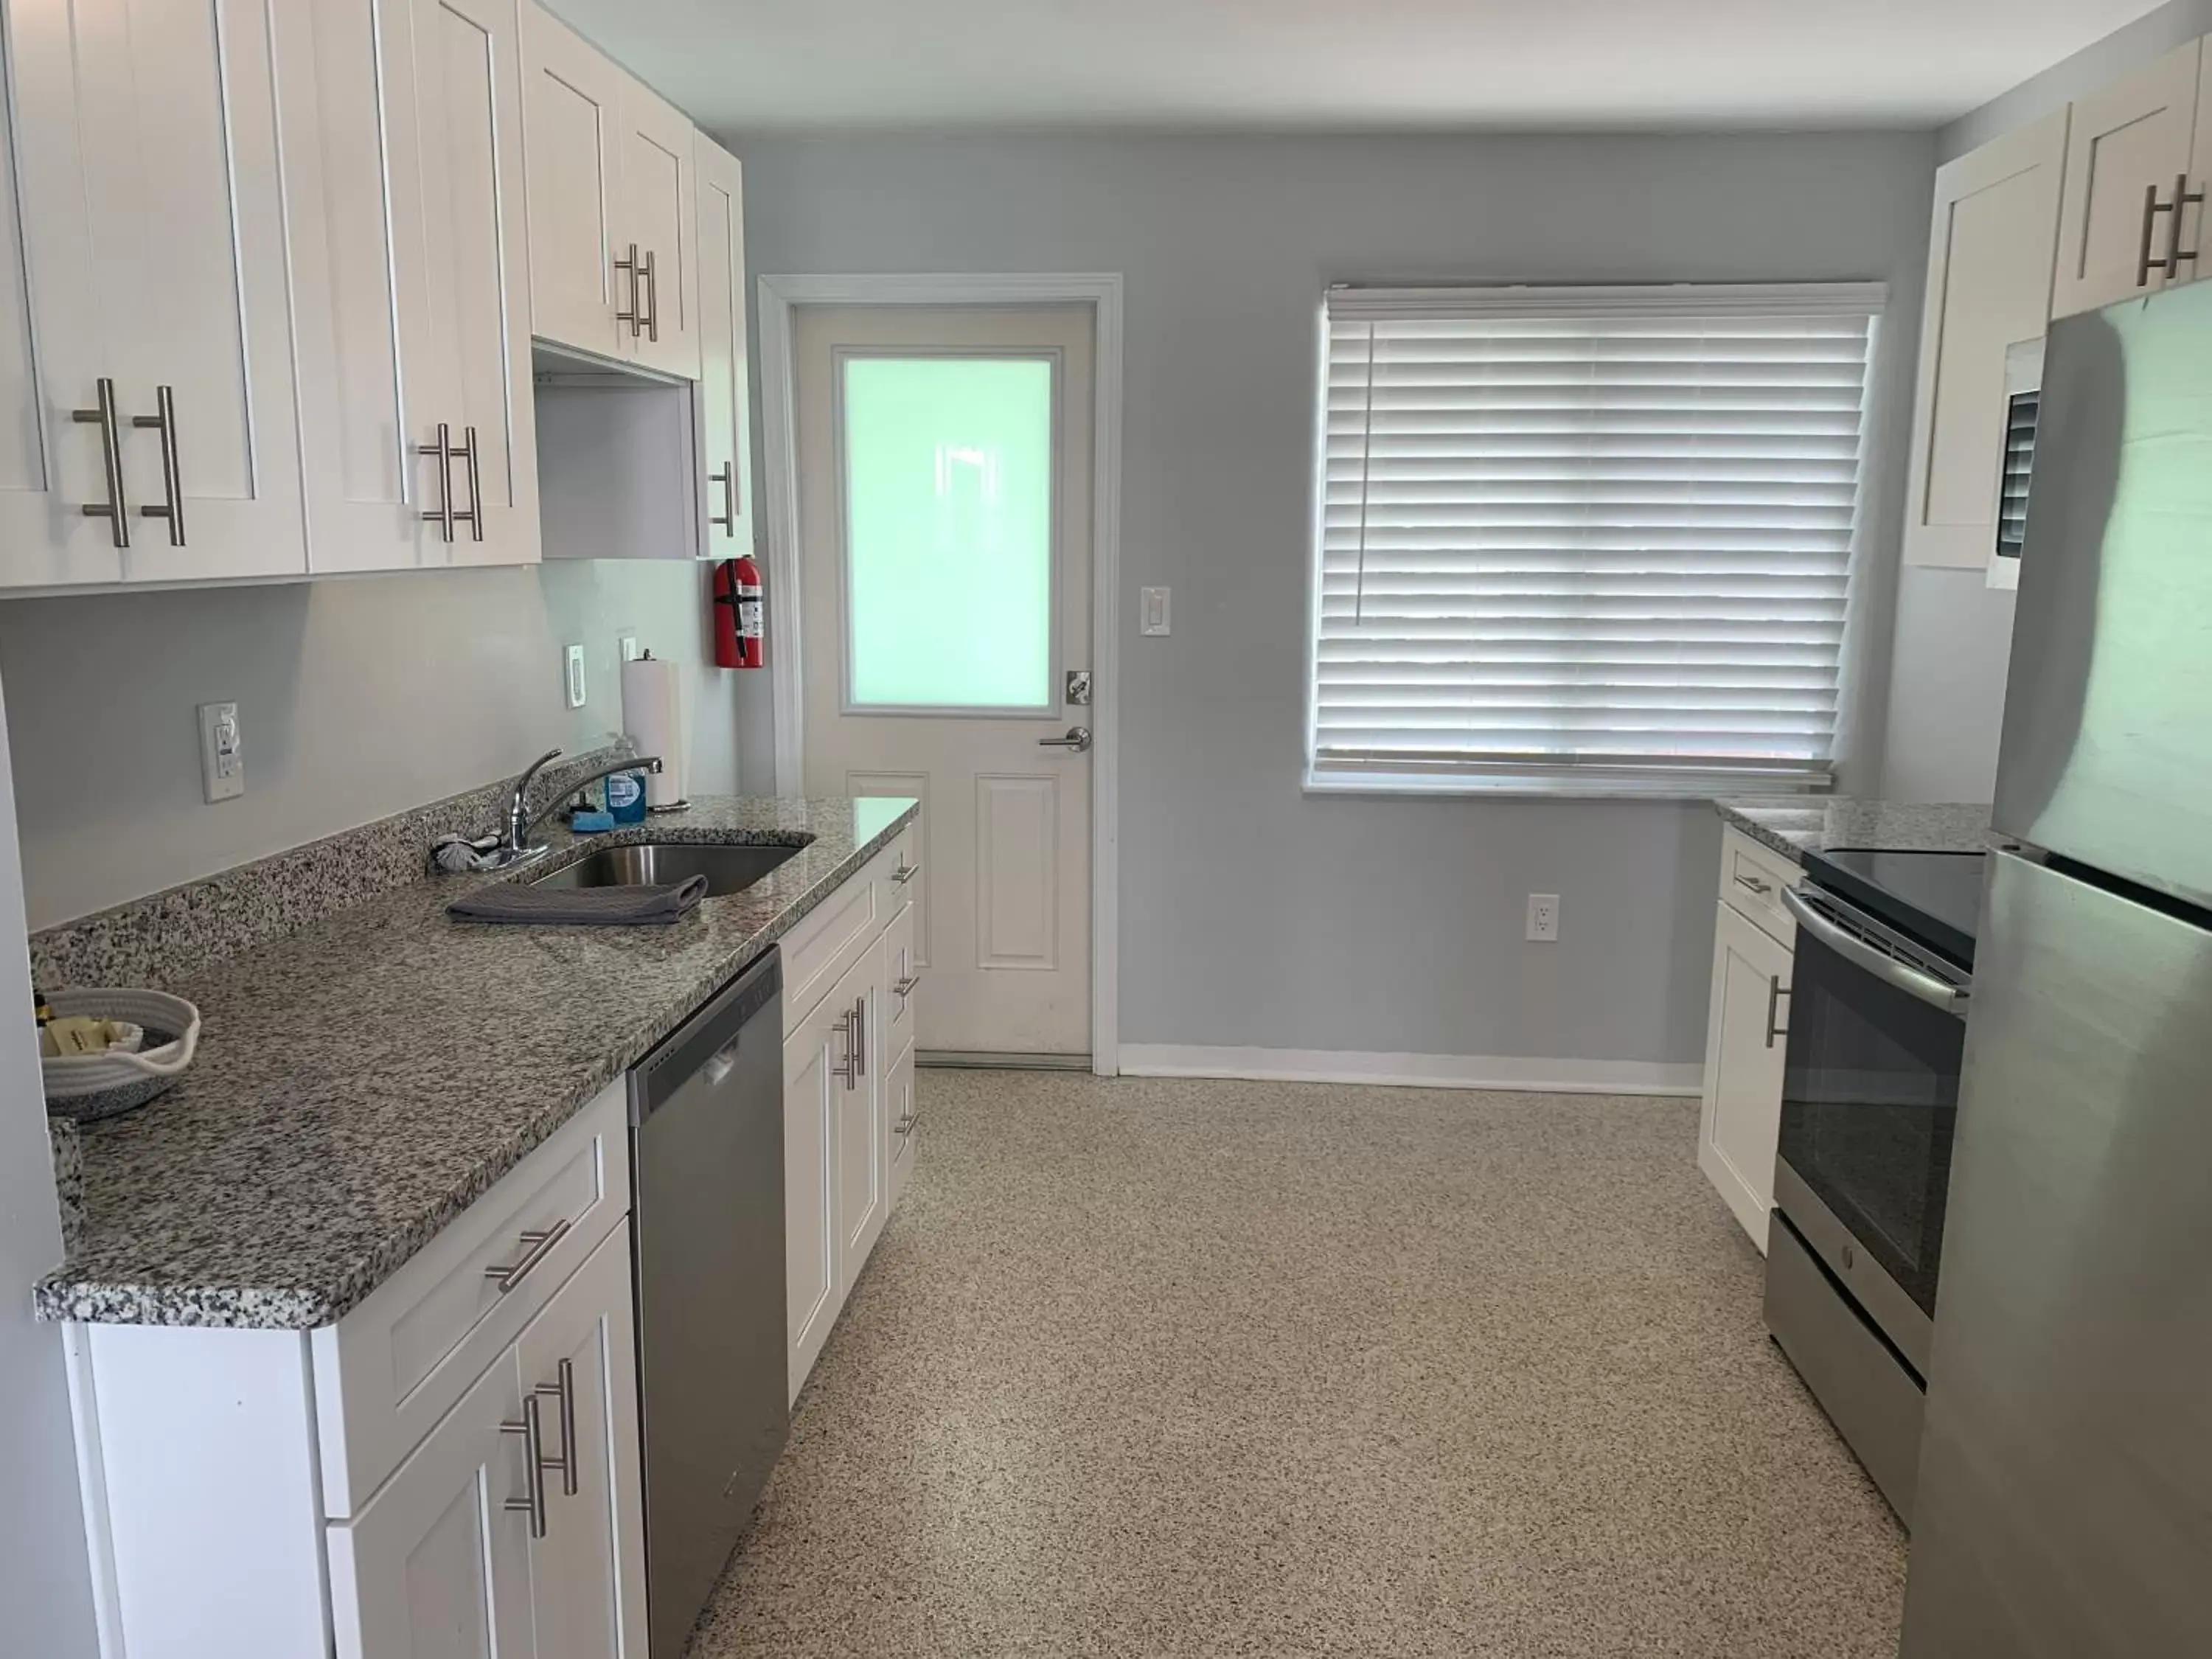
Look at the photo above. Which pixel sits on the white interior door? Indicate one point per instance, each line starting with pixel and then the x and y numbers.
pixel 944 458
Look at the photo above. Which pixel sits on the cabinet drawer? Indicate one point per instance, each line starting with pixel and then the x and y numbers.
pixel 386 1372
pixel 1752 880
pixel 831 937
pixel 901 980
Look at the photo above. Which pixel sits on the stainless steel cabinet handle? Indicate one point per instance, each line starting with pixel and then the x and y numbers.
pixel 102 415
pixel 1761 888
pixel 727 517
pixel 442 515
pixel 2176 255
pixel 1077 739
pixel 1774 995
pixel 164 420
pixel 1899 976
pixel 861 1035
pixel 630 316
pixel 532 1501
pixel 565 1392
pixel 845 1030
pixel 475 514
pixel 538 1243
pixel 902 988
pixel 905 1125
pixel 906 872
pixel 652 299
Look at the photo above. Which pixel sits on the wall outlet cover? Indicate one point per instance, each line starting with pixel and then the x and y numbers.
pixel 575 676
pixel 1544 918
pixel 222 753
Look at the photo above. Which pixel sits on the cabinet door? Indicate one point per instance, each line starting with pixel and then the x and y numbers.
pixel 580 1357
pixel 436 1565
pixel 1989 254
pixel 2128 140
pixel 1745 1036
pixel 902 1121
pixel 405 201
pixel 654 210
pixel 863 1140
pixel 154 239
pixel 817 1054
pixel 725 436
pixel 572 113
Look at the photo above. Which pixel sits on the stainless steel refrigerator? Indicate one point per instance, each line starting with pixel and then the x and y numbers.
pixel 2065 1490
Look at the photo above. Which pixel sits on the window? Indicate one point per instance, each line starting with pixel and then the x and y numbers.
pixel 1586 537
pixel 948 520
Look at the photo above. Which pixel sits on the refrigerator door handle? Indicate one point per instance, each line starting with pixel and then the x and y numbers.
pixel 1900 976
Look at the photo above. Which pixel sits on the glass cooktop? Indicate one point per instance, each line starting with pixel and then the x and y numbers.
pixel 1935 897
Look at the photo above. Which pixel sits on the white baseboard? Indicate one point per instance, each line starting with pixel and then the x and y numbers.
pixel 1516 1072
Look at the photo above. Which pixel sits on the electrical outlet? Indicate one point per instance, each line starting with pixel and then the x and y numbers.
pixel 575 673
pixel 1153 610
pixel 223 755
pixel 1544 918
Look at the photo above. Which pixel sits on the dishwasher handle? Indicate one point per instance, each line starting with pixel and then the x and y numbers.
pixel 708 1042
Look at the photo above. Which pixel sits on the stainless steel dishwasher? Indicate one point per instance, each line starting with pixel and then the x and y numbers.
pixel 706 1112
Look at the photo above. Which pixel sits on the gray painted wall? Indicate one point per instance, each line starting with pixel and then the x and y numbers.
pixel 1251 914
pixel 358 698
pixel 2150 36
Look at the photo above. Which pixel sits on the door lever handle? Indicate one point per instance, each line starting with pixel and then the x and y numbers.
pixel 1077 739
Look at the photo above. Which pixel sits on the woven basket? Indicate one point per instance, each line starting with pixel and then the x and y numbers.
pixel 87 1087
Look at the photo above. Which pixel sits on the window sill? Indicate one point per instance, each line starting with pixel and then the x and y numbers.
pixel 1680 787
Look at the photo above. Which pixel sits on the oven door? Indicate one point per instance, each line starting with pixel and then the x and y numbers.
pixel 1869 1099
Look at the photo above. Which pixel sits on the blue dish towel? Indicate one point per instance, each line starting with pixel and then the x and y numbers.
pixel 580 907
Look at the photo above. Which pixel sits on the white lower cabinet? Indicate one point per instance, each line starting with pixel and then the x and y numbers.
pixel 508 1525
pixel 848 1077
pixel 1747 1031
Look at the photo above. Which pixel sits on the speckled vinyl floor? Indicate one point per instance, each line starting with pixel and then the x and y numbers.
pixel 1181 1368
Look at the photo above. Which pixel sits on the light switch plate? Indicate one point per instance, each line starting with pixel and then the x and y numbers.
pixel 223 755
pixel 1153 610
pixel 626 648
pixel 575 673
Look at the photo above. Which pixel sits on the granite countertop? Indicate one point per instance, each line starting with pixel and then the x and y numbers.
pixel 1792 824
pixel 363 1080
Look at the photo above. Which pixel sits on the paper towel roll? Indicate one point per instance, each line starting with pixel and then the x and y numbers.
pixel 652 715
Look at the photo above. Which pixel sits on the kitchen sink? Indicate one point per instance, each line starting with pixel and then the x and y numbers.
pixel 728 869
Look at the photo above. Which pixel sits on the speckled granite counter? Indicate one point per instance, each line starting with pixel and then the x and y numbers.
pixel 365 1080
pixel 1792 824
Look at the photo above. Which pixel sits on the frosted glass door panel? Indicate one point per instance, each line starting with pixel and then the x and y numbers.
pixel 948 519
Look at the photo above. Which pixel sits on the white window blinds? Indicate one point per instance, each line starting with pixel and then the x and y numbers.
pixel 1601 534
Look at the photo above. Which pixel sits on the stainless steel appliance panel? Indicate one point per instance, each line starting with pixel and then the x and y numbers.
pixel 707 1150
pixel 2107 755
pixel 1874 1401
pixel 2065 1499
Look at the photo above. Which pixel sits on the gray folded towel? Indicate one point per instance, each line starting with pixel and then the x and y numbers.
pixel 580 907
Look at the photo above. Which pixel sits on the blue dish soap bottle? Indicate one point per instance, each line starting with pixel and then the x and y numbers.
pixel 626 797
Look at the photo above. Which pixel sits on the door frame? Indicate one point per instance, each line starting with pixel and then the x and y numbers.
pixel 780 296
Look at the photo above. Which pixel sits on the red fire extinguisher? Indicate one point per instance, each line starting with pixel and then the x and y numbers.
pixel 740 630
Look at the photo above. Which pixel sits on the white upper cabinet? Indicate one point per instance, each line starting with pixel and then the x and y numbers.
pixel 725 434
pixel 613 260
pixel 1989 253
pixel 411 256
pixel 157 385
pixel 2119 224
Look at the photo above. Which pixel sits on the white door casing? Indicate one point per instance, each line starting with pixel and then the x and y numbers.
pixel 1003 932
pixel 779 496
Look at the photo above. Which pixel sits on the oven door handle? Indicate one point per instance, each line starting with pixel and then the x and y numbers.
pixel 1900 976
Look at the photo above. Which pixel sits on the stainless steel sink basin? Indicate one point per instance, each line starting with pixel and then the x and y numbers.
pixel 728 869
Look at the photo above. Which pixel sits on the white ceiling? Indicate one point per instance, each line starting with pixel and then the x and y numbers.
pixel 754 65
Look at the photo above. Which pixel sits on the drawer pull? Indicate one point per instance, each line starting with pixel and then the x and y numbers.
pixel 1761 888
pixel 906 872
pixel 532 1501
pixel 565 1392
pixel 539 1243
